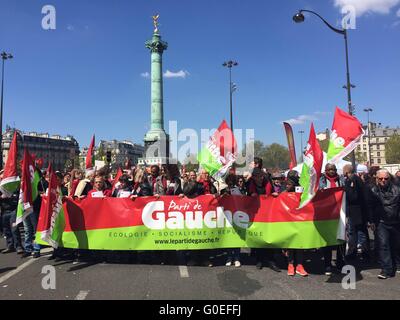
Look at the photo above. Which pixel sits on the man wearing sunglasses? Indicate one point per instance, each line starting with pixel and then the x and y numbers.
pixel 385 210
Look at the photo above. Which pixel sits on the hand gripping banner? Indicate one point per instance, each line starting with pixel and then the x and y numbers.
pixel 173 223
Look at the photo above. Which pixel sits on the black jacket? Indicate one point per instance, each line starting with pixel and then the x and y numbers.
pixel 9 204
pixel 357 209
pixel 193 189
pixel 385 204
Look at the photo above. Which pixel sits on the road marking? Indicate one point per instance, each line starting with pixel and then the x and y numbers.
pixel 15 271
pixel 82 295
pixel 22 266
pixel 183 270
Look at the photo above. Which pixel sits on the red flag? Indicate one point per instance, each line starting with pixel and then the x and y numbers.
pixel 292 149
pixel 312 167
pixel 51 201
pixel 116 179
pixel 90 155
pixel 227 142
pixel 10 182
pixel 10 170
pixel 347 133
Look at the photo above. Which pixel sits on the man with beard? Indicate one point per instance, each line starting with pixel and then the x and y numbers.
pixel 385 212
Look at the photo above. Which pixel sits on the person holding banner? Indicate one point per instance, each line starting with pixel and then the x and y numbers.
pixel 99 189
pixel 295 256
pixel 157 181
pixel 124 190
pixel 84 186
pixel 259 184
pixel 331 179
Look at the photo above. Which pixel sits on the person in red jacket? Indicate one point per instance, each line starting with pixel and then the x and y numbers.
pixel 99 190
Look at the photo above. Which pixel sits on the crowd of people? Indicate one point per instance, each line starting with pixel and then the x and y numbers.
pixel 373 208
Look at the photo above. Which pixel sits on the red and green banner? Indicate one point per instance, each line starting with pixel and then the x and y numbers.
pixel 53 213
pixel 346 135
pixel 29 187
pixel 174 223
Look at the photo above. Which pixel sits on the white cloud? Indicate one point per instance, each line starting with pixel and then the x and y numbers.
pixel 180 74
pixel 70 27
pixel 301 119
pixel 145 75
pixel 369 6
pixel 304 118
pixel 398 13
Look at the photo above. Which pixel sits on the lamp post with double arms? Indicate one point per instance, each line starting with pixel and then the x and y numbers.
pixel 230 64
pixel 4 56
pixel 368 110
pixel 298 18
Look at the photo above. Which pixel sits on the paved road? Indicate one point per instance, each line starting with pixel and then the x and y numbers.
pixel 22 279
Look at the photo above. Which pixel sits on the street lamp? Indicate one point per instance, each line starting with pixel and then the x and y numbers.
pixel 368 110
pixel 299 18
pixel 4 56
pixel 232 87
pixel 302 151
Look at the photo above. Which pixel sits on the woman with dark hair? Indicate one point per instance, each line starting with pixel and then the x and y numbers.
pixel 124 190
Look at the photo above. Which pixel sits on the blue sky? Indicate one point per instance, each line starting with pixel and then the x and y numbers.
pixel 86 77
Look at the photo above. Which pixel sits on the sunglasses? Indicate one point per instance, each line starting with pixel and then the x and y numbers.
pixel 383 179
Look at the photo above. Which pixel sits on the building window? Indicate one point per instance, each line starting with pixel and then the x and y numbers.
pixel 379 154
pixel 378 146
pixel 379 161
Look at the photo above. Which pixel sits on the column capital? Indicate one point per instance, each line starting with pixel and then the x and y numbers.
pixel 156 44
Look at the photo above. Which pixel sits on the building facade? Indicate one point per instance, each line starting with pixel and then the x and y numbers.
pixel 61 151
pixel 372 147
pixel 121 151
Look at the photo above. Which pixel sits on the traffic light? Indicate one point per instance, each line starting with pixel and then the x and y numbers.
pixel 108 156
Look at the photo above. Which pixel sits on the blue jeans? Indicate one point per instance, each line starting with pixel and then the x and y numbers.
pixel 11 233
pixel 389 247
pixel 30 224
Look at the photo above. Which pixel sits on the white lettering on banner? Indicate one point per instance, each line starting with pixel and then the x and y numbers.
pixel 154 218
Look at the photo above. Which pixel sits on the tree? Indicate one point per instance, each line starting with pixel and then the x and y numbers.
pixel 392 149
pixel 273 156
pixel 276 156
pixel 191 163
pixel 100 153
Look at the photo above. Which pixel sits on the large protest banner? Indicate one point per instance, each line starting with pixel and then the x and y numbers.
pixel 173 223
